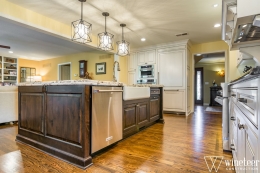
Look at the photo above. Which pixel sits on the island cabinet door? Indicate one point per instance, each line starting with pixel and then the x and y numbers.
pixel 129 119
pixel 142 113
pixel 154 108
pixel 65 114
pixel 31 109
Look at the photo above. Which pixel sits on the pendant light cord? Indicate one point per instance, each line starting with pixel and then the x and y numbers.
pixel 81 10
pixel 123 33
pixel 105 24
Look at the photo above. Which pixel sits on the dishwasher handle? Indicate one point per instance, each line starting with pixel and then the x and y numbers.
pixel 104 91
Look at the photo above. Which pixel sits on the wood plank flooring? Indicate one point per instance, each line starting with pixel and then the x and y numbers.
pixel 179 145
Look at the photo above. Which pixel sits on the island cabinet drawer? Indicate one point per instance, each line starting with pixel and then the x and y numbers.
pixel 247 102
pixel 30 89
pixel 65 89
pixel 155 91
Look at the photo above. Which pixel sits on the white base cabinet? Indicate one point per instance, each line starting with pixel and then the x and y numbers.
pixel 174 100
pixel 244 126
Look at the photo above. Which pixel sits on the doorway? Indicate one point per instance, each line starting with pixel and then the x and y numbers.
pixel 198 86
pixel 64 71
pixel 209 73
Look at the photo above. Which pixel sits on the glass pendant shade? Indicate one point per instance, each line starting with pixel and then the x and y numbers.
pixel 123 47
pixel 80 29
pixel 105 39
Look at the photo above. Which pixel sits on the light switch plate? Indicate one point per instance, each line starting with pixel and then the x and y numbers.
pixel 75 75
pixel 206 83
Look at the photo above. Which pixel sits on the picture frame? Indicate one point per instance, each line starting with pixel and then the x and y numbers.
pixel 101 68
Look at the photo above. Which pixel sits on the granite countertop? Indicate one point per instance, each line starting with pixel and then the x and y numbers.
pixel 72 82
pixel 84 82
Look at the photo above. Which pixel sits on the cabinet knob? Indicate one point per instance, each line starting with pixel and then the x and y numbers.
pixel 232 118
pixel 241 126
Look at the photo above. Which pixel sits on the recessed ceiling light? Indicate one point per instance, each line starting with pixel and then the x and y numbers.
pixel 215 5
pixel 143 39
pixel 239 38
pixel 217 25
pixel 198 54
pixel 244 26
pixel 10 51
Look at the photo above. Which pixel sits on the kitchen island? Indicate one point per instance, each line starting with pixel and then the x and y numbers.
pixel 55 117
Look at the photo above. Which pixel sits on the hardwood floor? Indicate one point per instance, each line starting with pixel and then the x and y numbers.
pixel 179 145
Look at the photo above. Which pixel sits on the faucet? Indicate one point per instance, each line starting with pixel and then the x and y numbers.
pixel 118 69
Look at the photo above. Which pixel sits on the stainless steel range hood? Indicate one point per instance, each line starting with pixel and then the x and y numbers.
pixel 241 23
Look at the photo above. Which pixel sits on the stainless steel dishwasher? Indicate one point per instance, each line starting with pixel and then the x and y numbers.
pixel 106 116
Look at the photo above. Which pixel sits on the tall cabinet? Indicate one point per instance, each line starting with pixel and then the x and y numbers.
pixel 172 69
pixel 8 70
pixel 175 74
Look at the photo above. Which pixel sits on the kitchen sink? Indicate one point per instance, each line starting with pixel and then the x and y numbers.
pixel 132 93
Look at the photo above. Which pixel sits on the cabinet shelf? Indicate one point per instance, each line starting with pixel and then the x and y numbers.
pixel 10 63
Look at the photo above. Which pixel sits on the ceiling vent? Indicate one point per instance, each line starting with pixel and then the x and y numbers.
pixel 182 34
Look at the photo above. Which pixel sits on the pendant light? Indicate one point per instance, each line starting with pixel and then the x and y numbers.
pixel 81 29
pixel 123 47
pixel 105 39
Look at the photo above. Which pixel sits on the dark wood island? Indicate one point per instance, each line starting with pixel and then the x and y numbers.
pixel 57 120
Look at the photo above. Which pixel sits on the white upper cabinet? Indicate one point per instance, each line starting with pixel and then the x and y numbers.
pixel 147 57
pixel 172 68
pixel 132 62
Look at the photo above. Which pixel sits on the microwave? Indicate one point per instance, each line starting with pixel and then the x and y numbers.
pixel 146 71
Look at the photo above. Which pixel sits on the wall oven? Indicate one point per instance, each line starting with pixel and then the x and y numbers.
pixel 146 71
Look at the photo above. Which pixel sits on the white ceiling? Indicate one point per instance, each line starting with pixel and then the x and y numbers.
pixel 156 20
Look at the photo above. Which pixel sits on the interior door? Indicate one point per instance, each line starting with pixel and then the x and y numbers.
pixel 198 86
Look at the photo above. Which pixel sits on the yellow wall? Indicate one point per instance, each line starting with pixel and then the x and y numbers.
pixel 49 68
pixel 210 74
pixel 209 47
